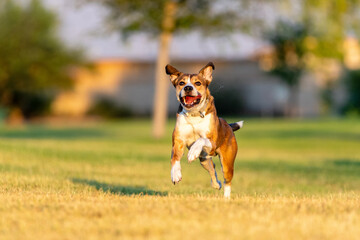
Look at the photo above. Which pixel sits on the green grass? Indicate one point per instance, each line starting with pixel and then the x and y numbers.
pixel 293 180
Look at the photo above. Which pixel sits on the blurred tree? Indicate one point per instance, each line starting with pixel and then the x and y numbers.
pixel 34 64
pixel 314 41
pixel 333 23
pixel 330 22
pixel 162 19
pixel 287 40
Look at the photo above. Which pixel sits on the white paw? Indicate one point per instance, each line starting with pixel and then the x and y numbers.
pixel 176 173
pixel 227 191
pixel 195 151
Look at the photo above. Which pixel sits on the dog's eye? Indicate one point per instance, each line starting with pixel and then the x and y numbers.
pixel 197 83
pixel 181 83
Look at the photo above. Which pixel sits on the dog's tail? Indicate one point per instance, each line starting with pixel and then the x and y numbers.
pixel 236 126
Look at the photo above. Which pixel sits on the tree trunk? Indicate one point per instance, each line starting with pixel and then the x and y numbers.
pixel 161 80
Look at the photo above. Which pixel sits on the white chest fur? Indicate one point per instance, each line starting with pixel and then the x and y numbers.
pixel 191 128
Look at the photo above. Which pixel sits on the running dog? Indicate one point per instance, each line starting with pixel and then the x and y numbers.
pixel 200 129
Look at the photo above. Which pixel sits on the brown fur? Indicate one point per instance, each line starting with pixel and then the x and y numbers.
pixel 201 123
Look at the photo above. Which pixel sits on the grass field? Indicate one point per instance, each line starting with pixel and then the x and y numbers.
pixel 293 180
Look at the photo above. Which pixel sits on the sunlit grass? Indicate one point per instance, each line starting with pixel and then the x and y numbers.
pixel 293 180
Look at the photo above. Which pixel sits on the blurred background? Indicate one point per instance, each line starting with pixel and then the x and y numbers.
pixel 87 59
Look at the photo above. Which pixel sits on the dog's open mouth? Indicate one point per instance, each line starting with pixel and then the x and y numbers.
pixel 190 101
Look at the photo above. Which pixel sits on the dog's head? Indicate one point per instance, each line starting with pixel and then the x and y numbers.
pixel 191 89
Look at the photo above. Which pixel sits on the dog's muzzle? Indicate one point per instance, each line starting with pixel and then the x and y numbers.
pixel 190 101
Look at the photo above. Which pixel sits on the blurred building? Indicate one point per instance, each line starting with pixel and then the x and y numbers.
pixel 130 84
pixel 124 72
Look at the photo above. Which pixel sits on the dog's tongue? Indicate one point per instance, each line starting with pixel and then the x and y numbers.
pixel 190 99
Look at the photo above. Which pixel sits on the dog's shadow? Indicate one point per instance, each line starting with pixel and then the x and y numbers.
pixel 119 189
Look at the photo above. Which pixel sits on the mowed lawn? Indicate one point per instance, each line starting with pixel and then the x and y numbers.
pixel 293 180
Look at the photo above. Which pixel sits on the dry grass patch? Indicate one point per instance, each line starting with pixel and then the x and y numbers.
pixel 101 215
pixel 293 180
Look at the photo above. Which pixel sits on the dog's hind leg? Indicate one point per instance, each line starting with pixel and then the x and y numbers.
pixel 227 156
pixel 208 164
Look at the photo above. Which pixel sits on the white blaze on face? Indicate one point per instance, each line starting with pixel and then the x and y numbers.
pixel 188 83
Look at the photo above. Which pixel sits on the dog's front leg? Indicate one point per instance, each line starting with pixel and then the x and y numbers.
pixel 197 147
pixel 176 154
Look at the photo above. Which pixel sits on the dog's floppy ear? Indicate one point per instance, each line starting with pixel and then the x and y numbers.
pixel 206 72
pixel 173 72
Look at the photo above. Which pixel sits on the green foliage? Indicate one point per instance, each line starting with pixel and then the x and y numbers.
pixel 32 104
pixel 352 80
pixel 288 42
pixel 34 63
pixel 331 22
pixel 320 31
pixel 129 17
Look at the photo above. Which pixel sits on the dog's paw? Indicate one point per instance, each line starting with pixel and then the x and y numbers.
pixel 216 184
pixel 176 173
pixel 195 151
pixel 227 191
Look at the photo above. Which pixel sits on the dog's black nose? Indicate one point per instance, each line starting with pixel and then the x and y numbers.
pixel 188 88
